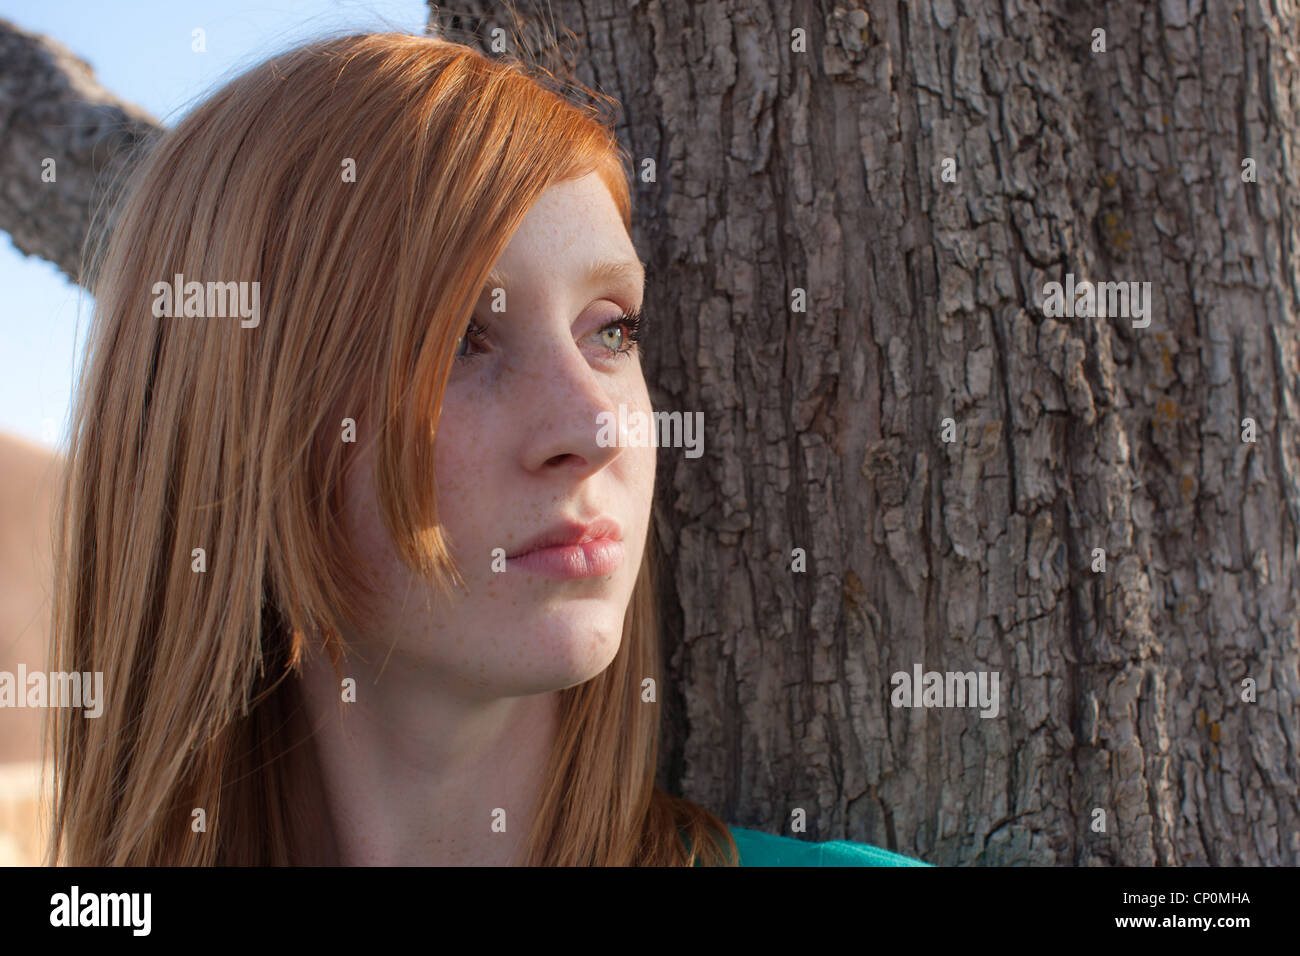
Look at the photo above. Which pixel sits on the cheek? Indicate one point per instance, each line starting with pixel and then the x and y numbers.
pixel 459 463
pixel 467 481
pixel 456 463
pixel 368 536
pixel 644 458
pixel 641 470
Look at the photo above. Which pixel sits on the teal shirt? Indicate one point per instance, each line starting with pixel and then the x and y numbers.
pixel 765 849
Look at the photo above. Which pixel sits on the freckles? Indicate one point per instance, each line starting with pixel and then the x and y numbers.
pixel 450 464
pixel 369 539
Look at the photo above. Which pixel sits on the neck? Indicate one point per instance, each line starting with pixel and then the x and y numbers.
pixel 414 774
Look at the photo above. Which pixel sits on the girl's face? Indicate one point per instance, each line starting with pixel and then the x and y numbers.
pixel 520 453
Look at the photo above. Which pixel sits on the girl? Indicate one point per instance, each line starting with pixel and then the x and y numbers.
pixel 364 584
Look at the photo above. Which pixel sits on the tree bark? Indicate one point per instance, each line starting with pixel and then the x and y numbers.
pixel 822 170
pixel 51 107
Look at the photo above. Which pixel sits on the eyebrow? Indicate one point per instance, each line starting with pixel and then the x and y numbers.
pixel 595 273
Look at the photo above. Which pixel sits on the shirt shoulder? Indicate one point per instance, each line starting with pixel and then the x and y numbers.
pixel 766 849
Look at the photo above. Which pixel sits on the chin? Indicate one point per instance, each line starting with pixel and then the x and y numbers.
pixel 573 657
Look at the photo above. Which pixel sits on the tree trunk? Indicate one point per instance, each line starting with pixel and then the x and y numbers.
pixel 779 170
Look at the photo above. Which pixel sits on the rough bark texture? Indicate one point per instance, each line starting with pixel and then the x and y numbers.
pixel 52 107
pixel 822 170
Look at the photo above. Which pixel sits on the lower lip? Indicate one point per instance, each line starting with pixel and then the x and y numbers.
pixel 591 559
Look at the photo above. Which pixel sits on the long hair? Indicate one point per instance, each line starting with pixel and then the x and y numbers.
pixel 367 183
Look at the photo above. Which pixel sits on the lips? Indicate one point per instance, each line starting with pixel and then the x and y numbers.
pixel 568 533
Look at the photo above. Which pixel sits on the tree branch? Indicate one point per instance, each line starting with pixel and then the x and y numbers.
pixel 51 107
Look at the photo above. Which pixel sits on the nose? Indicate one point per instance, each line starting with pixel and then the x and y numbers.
pixel 563 402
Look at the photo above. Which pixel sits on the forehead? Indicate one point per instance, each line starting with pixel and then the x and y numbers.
pixel 573 232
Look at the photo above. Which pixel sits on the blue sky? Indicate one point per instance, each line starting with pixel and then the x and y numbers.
pixel 142 51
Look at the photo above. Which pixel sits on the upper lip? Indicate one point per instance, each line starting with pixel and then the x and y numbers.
pixel 570 532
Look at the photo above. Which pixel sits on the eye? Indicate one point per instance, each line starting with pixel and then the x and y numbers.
pixel 622 335
pixel 473 333
pixel 615 334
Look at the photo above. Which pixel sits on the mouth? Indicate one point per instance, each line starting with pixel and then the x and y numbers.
pixel 573 549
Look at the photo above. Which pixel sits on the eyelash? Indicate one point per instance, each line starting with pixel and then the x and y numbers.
pixel 630 320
